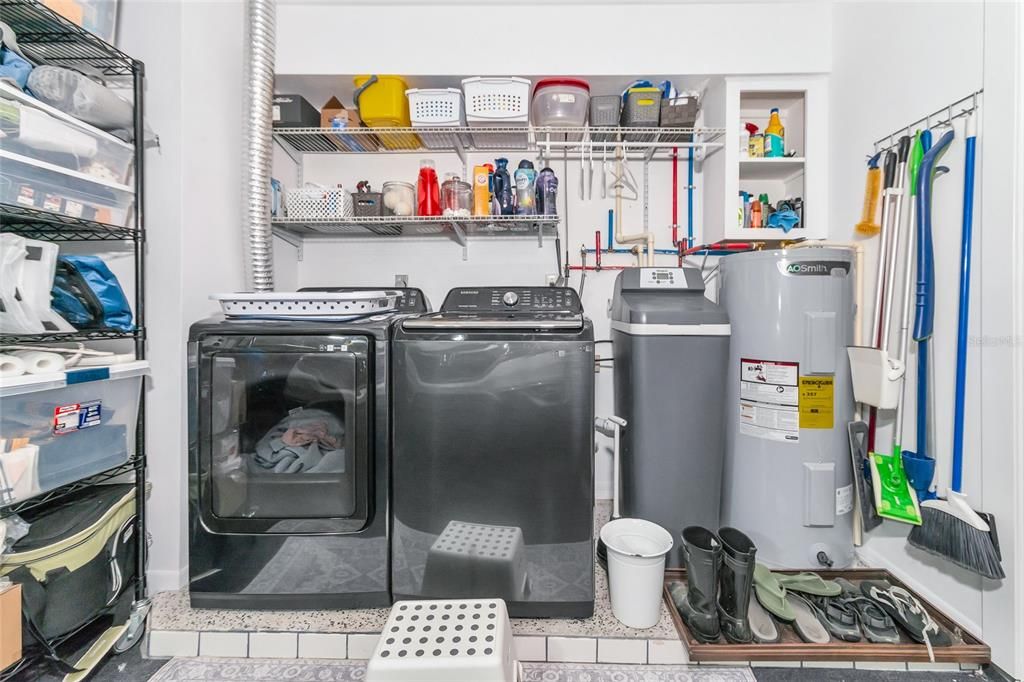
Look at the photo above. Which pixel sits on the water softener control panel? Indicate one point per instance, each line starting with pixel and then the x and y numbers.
pixel 517 300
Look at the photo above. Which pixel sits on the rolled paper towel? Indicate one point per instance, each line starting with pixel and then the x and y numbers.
pixel 38 362
pixel 11 366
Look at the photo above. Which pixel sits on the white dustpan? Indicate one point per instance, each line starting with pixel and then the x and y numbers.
pixel 876 377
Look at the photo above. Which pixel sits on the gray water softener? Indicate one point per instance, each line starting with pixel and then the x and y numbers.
pixel 671 349
pixel 788 480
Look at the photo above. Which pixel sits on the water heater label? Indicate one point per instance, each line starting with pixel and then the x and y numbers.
pixel 770 399
pixel 844 500
pixel 817 402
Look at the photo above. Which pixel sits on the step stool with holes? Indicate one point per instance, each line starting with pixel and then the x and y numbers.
pixel 474 559
pixel 445 640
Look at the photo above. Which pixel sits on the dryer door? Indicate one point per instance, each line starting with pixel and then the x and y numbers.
pixel 283 431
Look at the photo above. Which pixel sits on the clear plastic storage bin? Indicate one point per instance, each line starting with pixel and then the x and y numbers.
pixel 40 132
pixel 59 428
pixel 44 186
pixel 560 102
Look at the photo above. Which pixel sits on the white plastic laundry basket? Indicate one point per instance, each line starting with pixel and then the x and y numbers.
pixel 437 108
pixel 498 102
pixel 445 640
pixel 636 569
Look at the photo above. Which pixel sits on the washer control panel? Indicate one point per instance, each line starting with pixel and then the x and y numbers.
pixel 513 300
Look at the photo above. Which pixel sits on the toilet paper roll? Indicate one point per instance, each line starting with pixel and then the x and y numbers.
pixel 38 362
pixel 11 366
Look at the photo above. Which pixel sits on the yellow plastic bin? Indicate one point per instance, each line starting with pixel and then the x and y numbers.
pixel 382 103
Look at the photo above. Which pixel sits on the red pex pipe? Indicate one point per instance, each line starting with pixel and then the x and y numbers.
pixel 594 267
pixel 597 248
pixel 720 246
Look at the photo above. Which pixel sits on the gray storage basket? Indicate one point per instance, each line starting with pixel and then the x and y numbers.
pixel 679 112
pixel 604 110
pixel 368 204
pixel 641 109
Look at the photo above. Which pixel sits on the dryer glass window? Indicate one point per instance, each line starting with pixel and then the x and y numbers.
pixel 286 432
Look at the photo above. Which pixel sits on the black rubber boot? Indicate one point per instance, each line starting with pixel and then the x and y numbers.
pixel 737 579
pixel 702 553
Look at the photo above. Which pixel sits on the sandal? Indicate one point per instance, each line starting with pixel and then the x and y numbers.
pixel 907 611
pixel 839 617
pixel 771 594
pixel 809 583
pixel 762 625
pixel 807 624
pixel 876 625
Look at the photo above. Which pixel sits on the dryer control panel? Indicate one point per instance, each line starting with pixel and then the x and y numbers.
pixel 530 300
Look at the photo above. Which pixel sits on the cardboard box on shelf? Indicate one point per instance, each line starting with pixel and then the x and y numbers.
pixel 10 625
pixel 294 111
pixel 336 108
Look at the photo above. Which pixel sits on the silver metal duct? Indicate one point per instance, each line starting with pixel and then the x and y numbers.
pixel 259 60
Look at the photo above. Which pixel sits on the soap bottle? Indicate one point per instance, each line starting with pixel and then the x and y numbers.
pixel 526 178
pixel 547 192
pixel 774 136
pixel 503 188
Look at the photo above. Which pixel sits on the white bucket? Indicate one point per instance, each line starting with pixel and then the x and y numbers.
pixel 636 569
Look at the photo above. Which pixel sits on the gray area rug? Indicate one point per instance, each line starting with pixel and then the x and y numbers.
pixel 312 670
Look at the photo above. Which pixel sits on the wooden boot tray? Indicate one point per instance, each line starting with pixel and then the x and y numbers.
pixel 965 649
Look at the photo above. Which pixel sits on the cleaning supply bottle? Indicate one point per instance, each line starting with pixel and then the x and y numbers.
pixel 547 192
pixel 481 191
pixel 755 213
pixel 526 191
pixel 755 142
pixel 774 136
pixel 428 191
pixel 503 188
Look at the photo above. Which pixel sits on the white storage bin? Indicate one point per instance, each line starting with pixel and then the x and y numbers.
pixel 436 108
pixel 41 132
pixel 59 428
pixel 37 184
pixel 311 203
pixel 498 102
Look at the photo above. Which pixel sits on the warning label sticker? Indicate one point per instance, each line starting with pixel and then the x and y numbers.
pixel 844 500
pixel 816 402
pixel 770 399
pixel 71 418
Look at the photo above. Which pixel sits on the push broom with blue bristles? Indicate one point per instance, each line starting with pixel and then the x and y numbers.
pixel 949 527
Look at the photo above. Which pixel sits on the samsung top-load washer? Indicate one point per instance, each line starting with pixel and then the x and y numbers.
pixel 288 461
pixel 493 451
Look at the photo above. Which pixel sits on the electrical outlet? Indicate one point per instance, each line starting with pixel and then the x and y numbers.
pixel 551 280
pixel 402 281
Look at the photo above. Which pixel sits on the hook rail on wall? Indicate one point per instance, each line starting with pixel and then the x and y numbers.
pixel 938 118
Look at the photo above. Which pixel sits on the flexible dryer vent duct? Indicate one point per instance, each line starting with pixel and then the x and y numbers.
pixel 259 59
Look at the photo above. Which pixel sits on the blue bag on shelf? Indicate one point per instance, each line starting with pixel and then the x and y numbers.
pixel 87 294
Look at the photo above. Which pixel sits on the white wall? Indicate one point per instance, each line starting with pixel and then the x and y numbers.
pixel 876 91
pixel 193 223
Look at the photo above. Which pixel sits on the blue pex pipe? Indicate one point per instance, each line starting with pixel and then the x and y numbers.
pixel 689 200
pixel 672 252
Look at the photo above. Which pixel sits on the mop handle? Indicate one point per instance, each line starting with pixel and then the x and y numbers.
pixel 965 301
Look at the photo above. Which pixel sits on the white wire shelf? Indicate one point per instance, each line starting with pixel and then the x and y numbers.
pixel 422 226
pixel 549 141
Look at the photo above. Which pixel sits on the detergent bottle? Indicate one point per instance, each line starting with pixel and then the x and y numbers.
pixel 547 192
pixel 526 189
pixel 503 188
pixel 774 136
pixel 428 190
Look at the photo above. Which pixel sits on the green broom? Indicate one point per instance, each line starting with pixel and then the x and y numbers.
pixel 950 528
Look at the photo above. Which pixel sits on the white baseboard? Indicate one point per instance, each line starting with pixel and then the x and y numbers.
pixel 167 580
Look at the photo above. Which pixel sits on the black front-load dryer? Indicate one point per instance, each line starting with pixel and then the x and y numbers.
pixel 288 461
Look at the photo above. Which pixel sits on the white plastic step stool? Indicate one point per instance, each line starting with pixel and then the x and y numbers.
pixel 445 640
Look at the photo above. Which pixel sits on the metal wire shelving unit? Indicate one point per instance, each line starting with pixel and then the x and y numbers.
pixel 49 38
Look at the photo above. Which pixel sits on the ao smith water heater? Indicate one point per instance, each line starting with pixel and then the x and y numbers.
pixel 787 480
